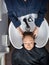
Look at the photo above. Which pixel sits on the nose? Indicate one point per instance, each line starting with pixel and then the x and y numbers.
pixel 28 44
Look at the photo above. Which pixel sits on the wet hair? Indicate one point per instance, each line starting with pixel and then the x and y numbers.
pixel 28 34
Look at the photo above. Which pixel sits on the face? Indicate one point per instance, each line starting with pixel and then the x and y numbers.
pixel 28 42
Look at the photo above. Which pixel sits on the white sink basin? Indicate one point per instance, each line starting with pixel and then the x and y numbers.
pixel 16 39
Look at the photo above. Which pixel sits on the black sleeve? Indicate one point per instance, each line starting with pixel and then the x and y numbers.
pixel 41 13
pixel 15 60
pixel 44 58
pixel 12 15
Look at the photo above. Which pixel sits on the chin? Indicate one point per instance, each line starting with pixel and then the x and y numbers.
pixel 29 49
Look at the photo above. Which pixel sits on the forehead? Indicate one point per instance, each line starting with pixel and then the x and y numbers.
pixel 28 37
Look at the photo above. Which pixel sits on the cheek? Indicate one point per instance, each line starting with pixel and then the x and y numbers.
pixel 25 45
pixel 32 44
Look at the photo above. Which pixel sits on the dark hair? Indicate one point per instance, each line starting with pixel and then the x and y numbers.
pixel 28 33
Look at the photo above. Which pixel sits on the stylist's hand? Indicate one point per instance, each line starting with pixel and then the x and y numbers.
pixel 35 32
pixel 20 31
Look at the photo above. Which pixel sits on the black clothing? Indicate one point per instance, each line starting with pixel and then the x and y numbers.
pixel 36 56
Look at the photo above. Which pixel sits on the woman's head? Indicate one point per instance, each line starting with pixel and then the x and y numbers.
pixel 28 40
